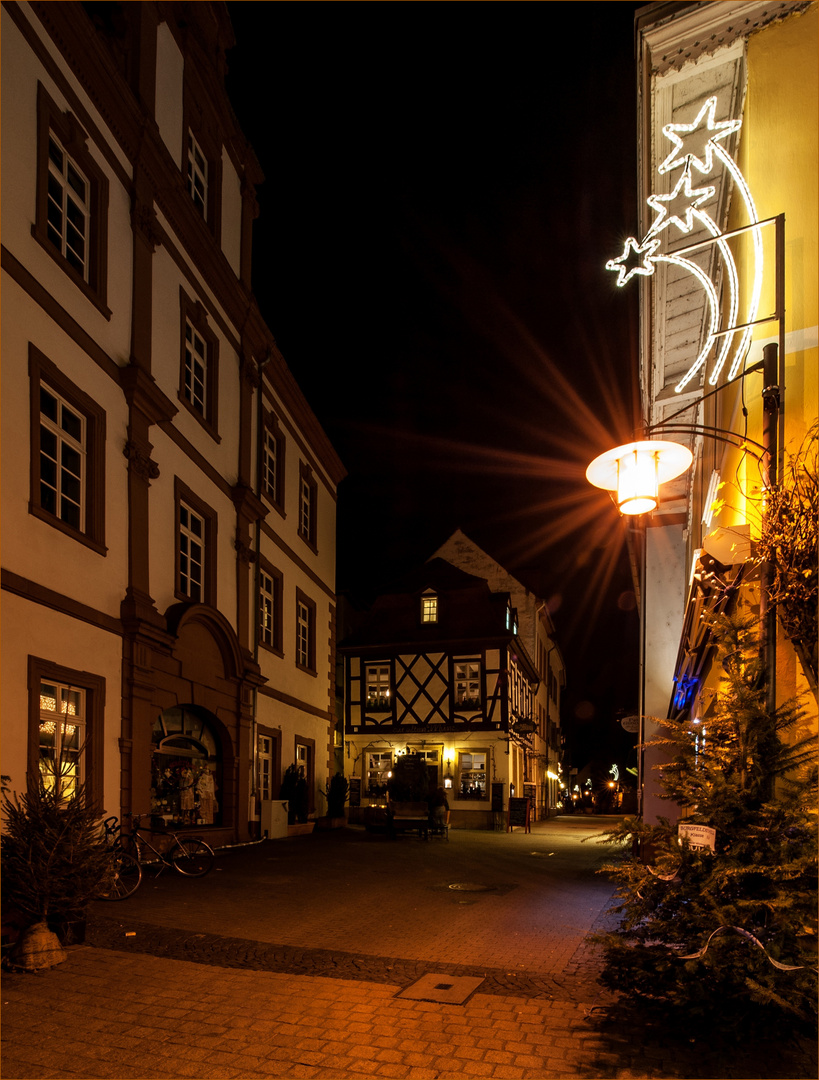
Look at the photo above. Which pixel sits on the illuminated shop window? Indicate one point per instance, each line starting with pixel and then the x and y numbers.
pixel 379 769
pixel 186 769
pixel 472 775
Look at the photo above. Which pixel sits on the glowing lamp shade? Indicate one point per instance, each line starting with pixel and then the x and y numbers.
pixel 636 470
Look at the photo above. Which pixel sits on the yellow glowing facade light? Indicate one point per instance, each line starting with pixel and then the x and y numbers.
pixel 635 471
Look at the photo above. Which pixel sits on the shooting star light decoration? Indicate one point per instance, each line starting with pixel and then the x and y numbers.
pixel 697 146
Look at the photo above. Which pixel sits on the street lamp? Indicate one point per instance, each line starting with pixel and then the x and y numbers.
pixel 636 470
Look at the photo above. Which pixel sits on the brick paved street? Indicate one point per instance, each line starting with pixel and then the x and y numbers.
pixel 290 959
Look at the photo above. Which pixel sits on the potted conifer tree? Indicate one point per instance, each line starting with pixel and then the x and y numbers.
pixel 54 858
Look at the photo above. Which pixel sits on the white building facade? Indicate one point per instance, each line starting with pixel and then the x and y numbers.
pixel 168 495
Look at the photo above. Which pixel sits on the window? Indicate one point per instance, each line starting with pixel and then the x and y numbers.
pixel 308 497
pixel 272 464
pixel 467 683
pixel 66 713
pixel 62 459
pixel 379 770
pixel 429 608
pixel 195 548
pixel 67 454
pixel 199 366
pixel 378 686
pixel 511 619
pixel 72 200
pixel 186 767
pixel 305 633
pixel 472 774
pixel 62 734
pixel 270 608
pixel 197 175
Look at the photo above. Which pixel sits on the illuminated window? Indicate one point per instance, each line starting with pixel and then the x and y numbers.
pixel 467 683
pixel 62 737
pixel 379 767
pixel 197 176
pixel 472 775
pixel 429 608
pixel 378 686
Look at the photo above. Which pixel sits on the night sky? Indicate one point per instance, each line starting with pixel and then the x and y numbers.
pixel 444 184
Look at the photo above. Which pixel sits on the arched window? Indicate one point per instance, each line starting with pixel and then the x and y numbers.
pixel 186 768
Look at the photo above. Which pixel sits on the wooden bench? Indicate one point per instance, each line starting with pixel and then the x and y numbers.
pixel 407 817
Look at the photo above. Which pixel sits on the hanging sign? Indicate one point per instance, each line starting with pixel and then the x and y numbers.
pixel 699 837
pixel 631 724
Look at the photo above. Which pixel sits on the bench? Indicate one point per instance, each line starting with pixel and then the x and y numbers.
pixel 440 828
pixel 407 817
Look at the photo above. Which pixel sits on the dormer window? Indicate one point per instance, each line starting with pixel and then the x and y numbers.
pixel 429 608
pixel 511 619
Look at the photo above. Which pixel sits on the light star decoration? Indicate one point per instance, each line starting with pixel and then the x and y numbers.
pixel 694 142
pixel 678 207
pixel 627 264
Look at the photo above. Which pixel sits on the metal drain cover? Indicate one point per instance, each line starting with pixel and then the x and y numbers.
pixel 442 989
pixel 471 886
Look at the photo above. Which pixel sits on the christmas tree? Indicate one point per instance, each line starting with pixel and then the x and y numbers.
pixel 721 937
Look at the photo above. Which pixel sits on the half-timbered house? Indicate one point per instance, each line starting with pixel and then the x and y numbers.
pixel 437 668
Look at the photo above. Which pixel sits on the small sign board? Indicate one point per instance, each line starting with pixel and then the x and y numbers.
pixel 518 814
pixel 699 837
pixel 355 791
pixel 631 724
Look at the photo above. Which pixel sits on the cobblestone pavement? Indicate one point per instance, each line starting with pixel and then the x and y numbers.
pixel 289 960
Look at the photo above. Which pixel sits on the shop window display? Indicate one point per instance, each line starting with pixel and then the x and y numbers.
pixel 185 769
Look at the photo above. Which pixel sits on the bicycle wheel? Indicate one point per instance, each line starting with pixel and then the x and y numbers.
pixel 123 880
pixel 192 857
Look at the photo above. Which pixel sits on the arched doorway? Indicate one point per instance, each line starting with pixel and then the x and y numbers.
pixel 186 767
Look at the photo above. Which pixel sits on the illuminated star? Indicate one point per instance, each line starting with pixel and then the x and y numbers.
pixel 678 207
pixel 636 259
pixel 695 142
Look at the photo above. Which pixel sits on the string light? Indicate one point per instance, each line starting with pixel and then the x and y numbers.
pixel 697 145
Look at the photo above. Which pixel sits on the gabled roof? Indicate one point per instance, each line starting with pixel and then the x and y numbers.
pixel 468 611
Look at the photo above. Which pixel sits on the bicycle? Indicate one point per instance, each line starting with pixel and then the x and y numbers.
pixel 188 855
pixel 125 875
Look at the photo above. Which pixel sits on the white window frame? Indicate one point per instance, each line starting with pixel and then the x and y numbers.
pixel 303 629
pixel 195 386
pixel 470 771
pixel 197 175
pixel 466 676
pixel 68 702
pixel 379 769
pixel 267 608
pixel 305 507
pixel 270 466
pixel 188 538
pixel 68 215
pixel 378 686
pixel 67 447
pixel 429 608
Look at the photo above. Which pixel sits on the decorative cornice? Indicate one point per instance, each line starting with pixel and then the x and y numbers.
pixel 141 392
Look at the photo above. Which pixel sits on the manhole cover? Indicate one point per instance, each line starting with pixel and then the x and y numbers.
pixel 471 886
pixel 442 989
